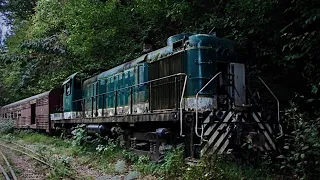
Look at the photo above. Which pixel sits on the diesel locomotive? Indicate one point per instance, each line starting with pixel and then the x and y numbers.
pixel 192 91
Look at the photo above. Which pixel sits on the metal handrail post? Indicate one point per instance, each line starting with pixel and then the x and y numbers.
pixel 176 92
pixel 103 104
pixel 97 99
pixel 84 108
pixel 92 106
pixel 131 99
pixel 150 94
pixel 116 103
pixel 196 126
pixel 181 101
pixel 278 105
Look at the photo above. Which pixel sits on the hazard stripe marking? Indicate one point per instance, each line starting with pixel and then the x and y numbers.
pixel 264 132
pixel 223 136
pixel 216 133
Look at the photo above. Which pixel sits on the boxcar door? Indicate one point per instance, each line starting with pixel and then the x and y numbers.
pixel 33 113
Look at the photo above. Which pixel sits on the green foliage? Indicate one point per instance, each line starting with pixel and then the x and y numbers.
pixel 19 9
pixel 61 167
pixel 113 159
pixel 79 135
pixel 6 126
pixel 215 167
pixel 211 167
pixel 47 20
pixel 301 153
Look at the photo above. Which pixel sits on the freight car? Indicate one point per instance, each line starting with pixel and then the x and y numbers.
pixel 191 91
pixel 33 112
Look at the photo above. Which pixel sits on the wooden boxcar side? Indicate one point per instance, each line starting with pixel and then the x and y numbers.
pixel 33 112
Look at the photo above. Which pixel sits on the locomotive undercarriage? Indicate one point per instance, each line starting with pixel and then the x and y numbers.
pixel 221 132
pixel 139 135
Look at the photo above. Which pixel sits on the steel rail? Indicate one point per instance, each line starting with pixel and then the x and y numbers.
pixel 14 149
pixel 4 172
pixel 9 166
pixel 31 156
pixel 21 146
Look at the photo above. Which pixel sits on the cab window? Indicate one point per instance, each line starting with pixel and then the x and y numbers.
pixel 68 88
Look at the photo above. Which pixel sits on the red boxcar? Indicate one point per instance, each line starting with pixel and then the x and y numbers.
pixel 34 112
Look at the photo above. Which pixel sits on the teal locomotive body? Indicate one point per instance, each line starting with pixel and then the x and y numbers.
pixel 191 55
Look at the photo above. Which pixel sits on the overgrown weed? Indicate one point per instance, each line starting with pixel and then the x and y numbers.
pixel 6 126
pixel 111 157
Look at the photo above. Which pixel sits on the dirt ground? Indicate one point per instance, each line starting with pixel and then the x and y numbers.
pixel 24 166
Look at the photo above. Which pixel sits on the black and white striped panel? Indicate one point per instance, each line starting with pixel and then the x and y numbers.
pixel 267 131
pixel 217 133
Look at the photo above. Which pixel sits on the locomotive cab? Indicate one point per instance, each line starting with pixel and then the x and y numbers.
pixel 71 92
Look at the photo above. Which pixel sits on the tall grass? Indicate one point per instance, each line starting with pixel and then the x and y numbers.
pixel 111 158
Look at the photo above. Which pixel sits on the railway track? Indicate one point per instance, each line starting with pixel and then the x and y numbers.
pixel 14 147
pixel 6 167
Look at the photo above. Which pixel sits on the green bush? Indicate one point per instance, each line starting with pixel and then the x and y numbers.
pixel 6 126
pixel 209 167
pixel 79 135
pixel 61 167
pixel 301 151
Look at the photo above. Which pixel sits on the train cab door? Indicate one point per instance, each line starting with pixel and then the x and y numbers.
pixel 70 95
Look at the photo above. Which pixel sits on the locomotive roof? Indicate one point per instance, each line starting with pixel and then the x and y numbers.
pixel 90 81
pixel 70 77
pixel 132 63
pixel 162 52
pixel 27 99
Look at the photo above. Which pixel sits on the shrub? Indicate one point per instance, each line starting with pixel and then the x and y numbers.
pixel 61 167
pixel 79 135
pixel 6 126
pixel 301 154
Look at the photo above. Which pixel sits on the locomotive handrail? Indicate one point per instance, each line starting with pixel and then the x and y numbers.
pixel 141 84
pixel 181 102
pixel 147 82
pixel 196 126
pixel 278 106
